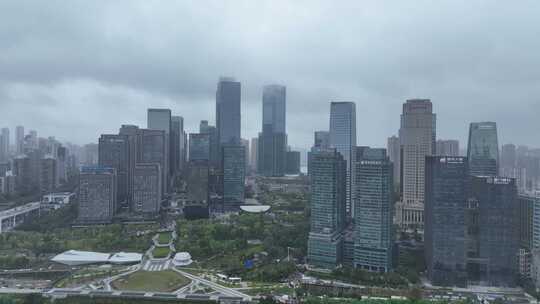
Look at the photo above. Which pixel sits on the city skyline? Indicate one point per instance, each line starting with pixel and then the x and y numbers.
pixel 370 72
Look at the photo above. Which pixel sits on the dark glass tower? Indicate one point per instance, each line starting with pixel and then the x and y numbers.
pixel 205 128
pixel 199 146
pixel 228 115
pixel 343 139
pixel 373 203
pixel 498 234
pixel 113 152
pixel 272 143
pixel 483 149
pixel 233 174
pixel 153 147
pixel 328 197
pixel 445 208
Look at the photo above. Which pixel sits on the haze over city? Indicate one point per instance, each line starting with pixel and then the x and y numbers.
pixel 293 152
pixel 76 70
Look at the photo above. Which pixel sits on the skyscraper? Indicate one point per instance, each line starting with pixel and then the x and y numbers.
pixel 197 183
pixel 131 132
pixel 97 195
pixel 113 151
pixel 177 143
pixel 498 230
pixel 228 115
pixel 446 203
pixel 271 153
pixel 199 146
pixel 153 147
pixel 394 150
pixel 161 119
pixel 274 107
pixel 19 139
pixel 253 153
pixel 328 202
pixel 245 144
pixel 483 149
pixel 508 160
pixel 417 140
pixel 343 139
pixel 374 203
pixel 205 128
pixel 447 147
pixel 321 143
pixel 322 139
pixel 4 145
pixel 293 162
pixel 47 174
pixel 273 138
pixel 233 174
pixel 147 188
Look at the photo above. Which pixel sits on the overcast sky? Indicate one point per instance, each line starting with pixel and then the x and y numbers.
pixel 76 69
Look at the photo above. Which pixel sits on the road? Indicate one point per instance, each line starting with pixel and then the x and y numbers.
pixel 222 289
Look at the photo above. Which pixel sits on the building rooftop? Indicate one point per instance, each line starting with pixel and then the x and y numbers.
pixel 255 208
pixel 76 257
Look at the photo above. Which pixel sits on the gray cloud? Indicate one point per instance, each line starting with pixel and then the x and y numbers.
pixel 76 69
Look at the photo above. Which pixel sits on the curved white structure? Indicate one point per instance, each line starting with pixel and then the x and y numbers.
pixel 125 258
pixel 255 208
pixel 182 259
pixel 75 257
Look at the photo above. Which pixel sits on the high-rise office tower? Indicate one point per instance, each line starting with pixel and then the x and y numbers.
pixel 161 119
pixel 508 160
pixel 394 151
pixel 26 168
pixel 322 139
pixel 153 147
pixel 448 147
pixel 22 171
pixel 374 204
pixel 245 144
pixel 147 188
pixel 273 138
pixel 205 128
pixel 274 107
pixel 177 143
pixel 529 221
pixel 131 132
pixel 90 154
pixel 233 174
pixel 228 115
pixel 113 152
pixel 61 165
pixel 199 146
pixel 4 145
pixel 498 230
pixel 417 140
pixel 197 182
pixel 321 143
pixel 47 174
pixel 446 203
pixel 253 153
pixel 293 162
pixel 19 139
pixel 343 139
pixel 328 202
pixel 483 149
pixel 97 195
pixel 33 139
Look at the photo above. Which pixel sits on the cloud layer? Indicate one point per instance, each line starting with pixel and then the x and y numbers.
pixel 76 69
